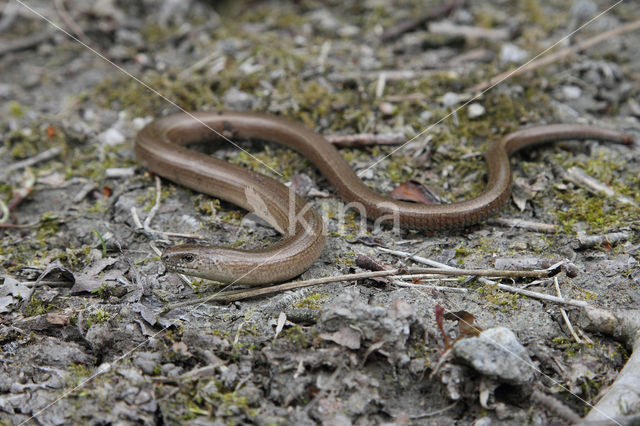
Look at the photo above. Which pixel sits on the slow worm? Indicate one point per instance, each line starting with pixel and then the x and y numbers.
pixel 160 147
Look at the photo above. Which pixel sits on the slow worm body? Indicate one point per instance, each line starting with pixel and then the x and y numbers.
pixel 160 148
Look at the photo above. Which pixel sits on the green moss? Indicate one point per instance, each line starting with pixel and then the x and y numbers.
pixel 38 307
pixel 314 301
pixel 48 225
pixel 499 299
pixel 98 317
pixel 206 205
pixel 15 109
pixel 74 258
pixel 599 213
pixel 296 336
pixel 533 11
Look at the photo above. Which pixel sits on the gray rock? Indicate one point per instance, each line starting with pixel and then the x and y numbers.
pixel 475 110
pixel 111 137
pixel 251 393
pixel 498 354
pixel 571 92
pixel 510 53
pixel 238 100
pixel 54 352
pixel 147 361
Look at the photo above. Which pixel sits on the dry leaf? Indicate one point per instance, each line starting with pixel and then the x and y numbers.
pixel 346 336
pixel 415 191
pixel 282 319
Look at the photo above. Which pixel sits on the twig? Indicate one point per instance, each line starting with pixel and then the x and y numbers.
pixel 544 297
pixel 528 225
pixel 232 296
pixel 68 20
pixel 564 314
pixel 119 172
pixel 433 413
pixel 532 294
pixel 424 277
pixel 410 24
pixel 84 191
pixel 156 205
pixel 21 193
pixel 366 139
pixel 581 178
pixel 5 212
pixel 14 226
pixel 559 55
pixel 470 32
pixel 42 156
pixel 430 287
pixel 136 218
pixel 390 75
pixel 8 46
pixel 589 241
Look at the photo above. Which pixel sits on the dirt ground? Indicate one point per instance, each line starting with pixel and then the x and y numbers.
pixel 88 335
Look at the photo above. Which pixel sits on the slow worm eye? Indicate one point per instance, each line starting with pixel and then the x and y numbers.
pixel 188 258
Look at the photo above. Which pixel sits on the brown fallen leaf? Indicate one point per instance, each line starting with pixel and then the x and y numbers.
pixel 414 191
pixel 465 322
pixel 370 264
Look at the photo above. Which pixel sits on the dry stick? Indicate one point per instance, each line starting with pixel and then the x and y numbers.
pixel 564 313
pixel 155 207
pixel 8 46
pixel 559 55
pixel 433 413
pixel 68 20
pixel 469 32
pixel 390 75
pixel 232 296
pixel 140 227
pixel 527 225
pixel 43 156
pixel 148 220
pixel 532 294
pixel 589 241
pixel 430 287
pixel 13 226
pixel 581 178
pixel 5 212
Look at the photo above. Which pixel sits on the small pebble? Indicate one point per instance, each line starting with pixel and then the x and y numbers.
pixel 387 108
pixel 511 53
pixel 571 92
pixel 426 116
pixel 497 353
pixel 450 99
pixel 238 100
pixel 111 137
pixel 475 110
pixel 140 122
